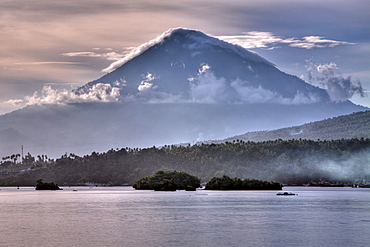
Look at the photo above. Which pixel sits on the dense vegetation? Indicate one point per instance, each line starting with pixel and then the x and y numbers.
pixel 293 161
pixel 168 181
pixel 355 125
pixel 46 186
pixel 227 183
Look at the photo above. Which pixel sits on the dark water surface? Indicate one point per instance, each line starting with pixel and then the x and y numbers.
pixel 121 216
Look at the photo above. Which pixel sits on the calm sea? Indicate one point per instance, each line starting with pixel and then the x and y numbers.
pixel 121 216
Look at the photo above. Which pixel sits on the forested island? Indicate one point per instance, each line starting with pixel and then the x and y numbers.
pixel 168 181
pixel 285 161
pixel 174 180
pixel 227 183
pixel 46 186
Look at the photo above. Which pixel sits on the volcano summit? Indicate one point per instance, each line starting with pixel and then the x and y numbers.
pixel 187 66
pixel 183 86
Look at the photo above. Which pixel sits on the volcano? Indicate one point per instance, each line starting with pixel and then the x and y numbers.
pixel 181 87
pixel 184 65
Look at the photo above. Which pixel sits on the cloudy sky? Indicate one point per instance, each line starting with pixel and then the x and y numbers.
pixel 65 44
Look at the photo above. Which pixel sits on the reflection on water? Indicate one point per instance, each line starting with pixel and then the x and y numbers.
pixel 121 216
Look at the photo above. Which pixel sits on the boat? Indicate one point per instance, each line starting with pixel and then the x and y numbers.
pixel 285 193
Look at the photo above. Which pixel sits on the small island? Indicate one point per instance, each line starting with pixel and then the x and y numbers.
pixel 46 186
pixel 168 181
pixel 227 183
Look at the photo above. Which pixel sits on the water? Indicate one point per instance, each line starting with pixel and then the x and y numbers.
pixel 121 216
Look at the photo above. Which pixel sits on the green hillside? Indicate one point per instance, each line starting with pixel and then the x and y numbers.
pixel 356 125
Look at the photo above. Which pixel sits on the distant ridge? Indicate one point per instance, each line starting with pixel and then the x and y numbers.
pixel 355 125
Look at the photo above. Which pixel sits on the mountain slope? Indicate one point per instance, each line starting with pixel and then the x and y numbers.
pixel 356 125
pixel 183 86
pixel 185 65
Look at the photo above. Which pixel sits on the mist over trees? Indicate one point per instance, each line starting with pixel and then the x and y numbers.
pixel 292 161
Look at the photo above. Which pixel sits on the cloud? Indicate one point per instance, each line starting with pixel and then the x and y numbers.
pixel 268 40
pixel 197 42
pixel 137 51
pixel 112 56
pixel 310 42
pixel 207 88
pixel 204 69
pixel 253 95
pixel 338 87
pixel 146 84
pixel 253 39
pixel 14 102
pixel 81 54
pixel 97 93
pixel 248 94
pixel 44 63
pixel 327 69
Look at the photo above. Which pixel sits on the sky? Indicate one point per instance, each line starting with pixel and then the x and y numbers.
pixel 62 45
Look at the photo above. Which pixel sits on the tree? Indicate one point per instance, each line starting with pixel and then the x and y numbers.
pixel 28 159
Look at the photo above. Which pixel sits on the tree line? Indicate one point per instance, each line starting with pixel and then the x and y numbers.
pixel 284 161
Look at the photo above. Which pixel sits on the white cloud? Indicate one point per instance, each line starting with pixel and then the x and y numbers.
pixel 14 101
pixel 249 94
pixel 310 42
pixel 203 69
pixel 137 51
pixel 300 98
pixel 206 88
pixel 146 84
pixel 81 54
pixel 44 63
pixel 197 42
pixel 268 40
pixel 149 77
pixel 338 87
pixel 327 69
pixel 253 39
pixel 253 95
pixel 97 93
pixel 111 55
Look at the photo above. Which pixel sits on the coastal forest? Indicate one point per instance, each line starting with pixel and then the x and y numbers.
pixel 285 161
